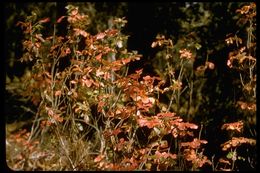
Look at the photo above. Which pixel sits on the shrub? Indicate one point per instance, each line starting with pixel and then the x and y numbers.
pixel 92 114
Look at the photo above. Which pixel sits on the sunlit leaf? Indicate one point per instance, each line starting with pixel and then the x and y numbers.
pixel 221 160
pixel 98 57
pixel 238 126
pixel 58 93
pixel 100 36
pixel 60 19
pixel 44 20
pixel 197 46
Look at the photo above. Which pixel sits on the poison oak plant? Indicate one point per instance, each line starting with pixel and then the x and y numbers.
pixel 232 145
pixel 243 62
pixel 91 113
pixel 184 82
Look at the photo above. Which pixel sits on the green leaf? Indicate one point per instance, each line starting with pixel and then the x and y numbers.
pixel 230 155
pixel 197 46
pixel 241 158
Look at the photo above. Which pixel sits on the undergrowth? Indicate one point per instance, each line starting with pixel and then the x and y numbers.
pixel 92 114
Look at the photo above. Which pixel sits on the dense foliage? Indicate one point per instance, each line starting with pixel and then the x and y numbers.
pixel 83 99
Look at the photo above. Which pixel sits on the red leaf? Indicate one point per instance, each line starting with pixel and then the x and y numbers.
pixel 39 36
pixel 99 158
pixel 238 126
pixel 99 72
pixel 190 125
pixel 98 57
pixel 149 123
pixel 163 115
pixel 142 122
pixel 139 71
pixel 60 19
pixel 125 61
pixel 111 32
pixel 145 100
pixel 58 93
pixel 101 104
pixel 116 131
pixel 100 36
pixel 146 78
pixel 210 65
pixel 44 20
pixel 80 32
pixel 107 76
pixel 194 144
pixel 154 44
pixel 221 160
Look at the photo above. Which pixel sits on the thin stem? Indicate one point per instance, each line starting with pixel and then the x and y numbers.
pixel 171 100
pixel 233 159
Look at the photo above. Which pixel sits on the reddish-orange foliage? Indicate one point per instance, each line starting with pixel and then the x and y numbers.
pixel 247 106
pixel 237 141
pixel 194 144
pixel 197 159
pixel 129 99
pixel 238 126
pixel 225 161
pixel 44 20
pixel 185 54
pixel 150 123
